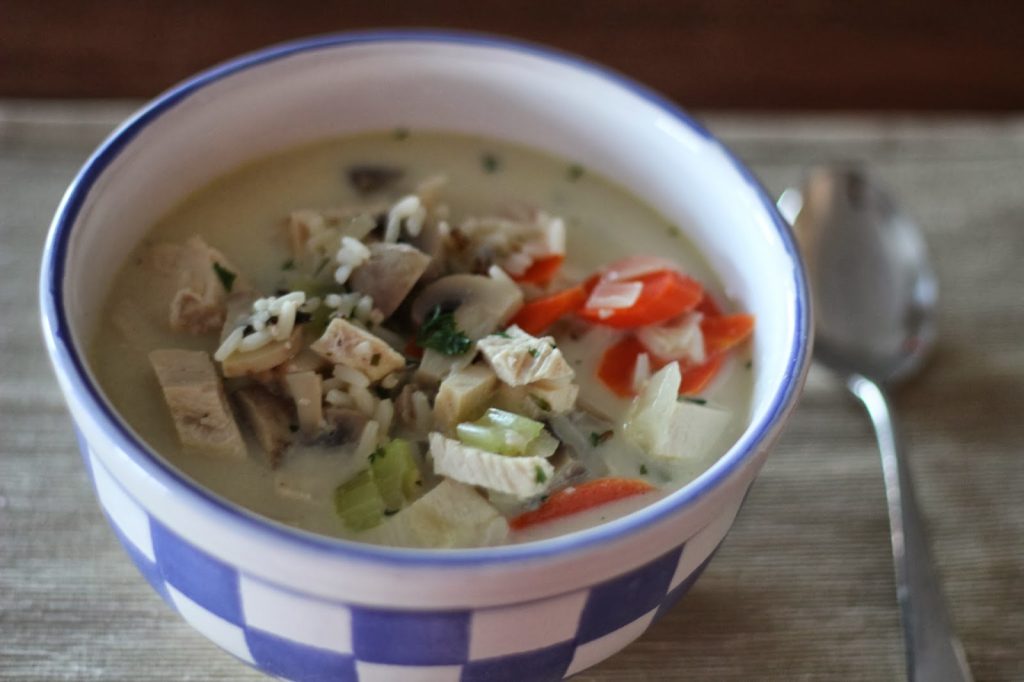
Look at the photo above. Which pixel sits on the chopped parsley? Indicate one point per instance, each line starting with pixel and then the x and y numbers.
pixel 391 512
pixel 695 401
pixel 490 162
pixel 598 438
pixel 439 332
pixel 541 477
pixel 575 172
pixel 540 402
pixel 374 359
pixel 379 453
pixel 533 352
pixel 401 133
pixel 288 264
pixel 504 335
pixel 643 469
pixel 750 363
pixel 226 277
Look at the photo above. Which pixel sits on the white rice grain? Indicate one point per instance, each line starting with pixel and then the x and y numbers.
pixel 230 344
pixel 368 440
pixel 363 400
pixel 641 371
pixel 255 340
pixel 384 415
pixel 351 376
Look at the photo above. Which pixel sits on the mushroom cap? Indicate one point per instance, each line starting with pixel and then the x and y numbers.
pixel 480 304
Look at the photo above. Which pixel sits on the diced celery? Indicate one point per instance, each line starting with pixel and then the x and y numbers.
pixel 395 472
pixel 527 428
pixel 488 438
pixel 358 502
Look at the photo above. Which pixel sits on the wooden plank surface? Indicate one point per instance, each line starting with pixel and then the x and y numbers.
pixel 783 54
pixel 802 588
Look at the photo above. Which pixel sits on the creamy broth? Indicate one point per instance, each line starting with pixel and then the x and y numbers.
pixel 242 216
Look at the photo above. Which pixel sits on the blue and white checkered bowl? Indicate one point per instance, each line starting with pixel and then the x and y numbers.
pixel 306 607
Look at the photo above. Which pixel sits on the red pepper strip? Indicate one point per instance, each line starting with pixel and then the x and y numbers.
pixel 697 378
pixel 617 365
pixel 578 498
pixel 665 294
pixel 539 314
pixel 412 350
pixel 725 332
pixel 542 271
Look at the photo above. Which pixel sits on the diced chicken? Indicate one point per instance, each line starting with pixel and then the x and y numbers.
pixel 305 361
pixel 270 419
pixel 389 275
pixel 450 515
pixel 540 399
pixel 206 278
pixel 343 343
pixel 523 477
pixel 520 359
pixel 435 367
pixel 195 397
pixel 252 362
pixel 463 396
pixel 306 389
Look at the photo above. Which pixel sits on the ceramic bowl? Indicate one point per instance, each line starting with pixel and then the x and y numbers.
pixel 301 606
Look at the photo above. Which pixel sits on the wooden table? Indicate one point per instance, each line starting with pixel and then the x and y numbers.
pixel 803 587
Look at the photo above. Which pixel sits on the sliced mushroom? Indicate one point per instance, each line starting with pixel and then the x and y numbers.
pixel 389 275
pixel 270 419
pixel 343 426
pixel 481 304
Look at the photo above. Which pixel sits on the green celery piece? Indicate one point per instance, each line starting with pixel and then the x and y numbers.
pixel 395 472
pixel 527 428
pixel 359 502
pixel 488 438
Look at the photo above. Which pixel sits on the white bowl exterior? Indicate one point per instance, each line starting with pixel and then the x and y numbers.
pixel 470 87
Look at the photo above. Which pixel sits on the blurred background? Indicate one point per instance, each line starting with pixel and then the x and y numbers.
pixel 879 55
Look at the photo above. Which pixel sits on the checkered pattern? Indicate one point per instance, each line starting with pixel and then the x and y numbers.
pixel 542 640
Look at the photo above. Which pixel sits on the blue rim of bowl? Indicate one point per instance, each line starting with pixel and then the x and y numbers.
pixel 67 359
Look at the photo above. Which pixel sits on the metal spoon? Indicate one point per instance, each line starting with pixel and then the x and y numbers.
pixel 874 296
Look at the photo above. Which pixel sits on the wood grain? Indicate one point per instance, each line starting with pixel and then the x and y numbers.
pixel 802 588
pixel 785 54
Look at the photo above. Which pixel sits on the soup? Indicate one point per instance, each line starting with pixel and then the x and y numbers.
pixel 425 340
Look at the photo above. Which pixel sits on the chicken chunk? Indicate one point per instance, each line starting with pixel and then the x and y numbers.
pixel 270 419
pixel 389 275
pixel 343 343
pixel 464 395
pixel 195 397
pixel 523 476
pixel 450 515
pixel 540 399
pixel 520 359
pixel 206 278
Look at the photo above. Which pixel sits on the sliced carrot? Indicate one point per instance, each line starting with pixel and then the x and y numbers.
pixel 543 270
pixel 726 331
pixel 697 378
pixel 666 294
pixel 581 497
pixel 537 315
pixel 617 365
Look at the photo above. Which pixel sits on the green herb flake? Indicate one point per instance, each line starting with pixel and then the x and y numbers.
pixel 401 134
pixel 490 162
pixel 391 512
pixel 226 277
pixel 376 454
pixel 293 428
pixel 288 264
pixel 673 232
pixel 574 172
pixel 750 363
pixel 597 439
pixel 689 399
pixel 643 469
pixel 374 359
pixel 439 332
pixel 533 352
pixel 540 402
pixel 541 477
pixel 504 335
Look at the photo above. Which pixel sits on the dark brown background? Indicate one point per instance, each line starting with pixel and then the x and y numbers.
pixel 728 54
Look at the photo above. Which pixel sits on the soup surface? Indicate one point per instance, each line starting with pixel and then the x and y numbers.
pixel 426 340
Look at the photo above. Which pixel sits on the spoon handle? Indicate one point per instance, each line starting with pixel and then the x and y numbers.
pixel 934 653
